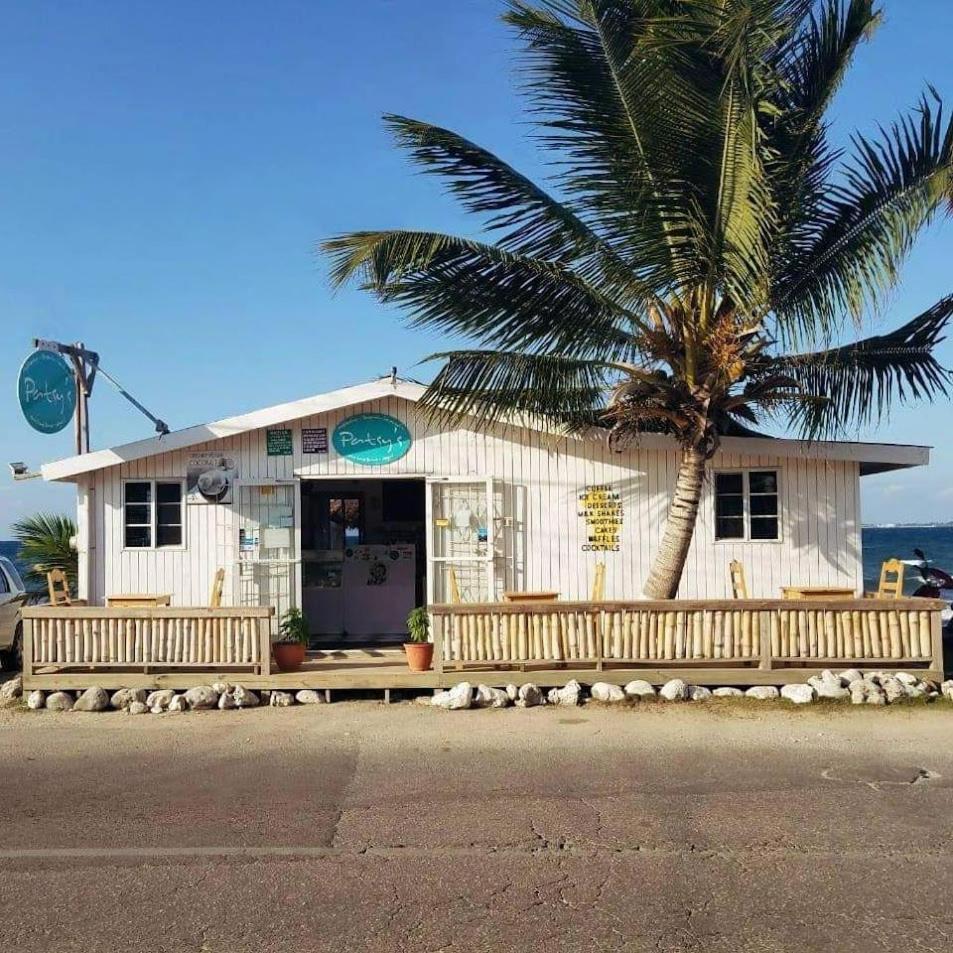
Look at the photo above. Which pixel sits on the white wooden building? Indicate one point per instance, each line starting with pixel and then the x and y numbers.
pixel 350 505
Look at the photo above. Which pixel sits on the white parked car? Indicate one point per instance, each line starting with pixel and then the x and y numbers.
pixel 13 595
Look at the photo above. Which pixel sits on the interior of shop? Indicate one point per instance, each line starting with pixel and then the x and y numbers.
pixel 363 559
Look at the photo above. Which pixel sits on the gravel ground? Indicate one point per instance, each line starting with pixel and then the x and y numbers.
pixel 725 827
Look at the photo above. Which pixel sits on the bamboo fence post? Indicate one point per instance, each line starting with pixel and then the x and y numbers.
pixel 905 634
pixel 895 645
pixel 925 634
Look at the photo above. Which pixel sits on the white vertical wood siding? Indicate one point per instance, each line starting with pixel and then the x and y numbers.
pixel 541 476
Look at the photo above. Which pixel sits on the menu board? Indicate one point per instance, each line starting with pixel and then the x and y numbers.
pixel 600 505
pixel 314 439
pixel 278 443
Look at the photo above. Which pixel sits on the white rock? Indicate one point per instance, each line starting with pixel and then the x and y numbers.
pixel 698 693
pixel 876 698
pixel 826 680
pixel 202 696
pixel 308 696
pixel 850 675
pixel 137 708
pixel 178 703
pixel 567 695
pixel 916 690
pixel 512 692
pixel 156 710
pixel 36 699
pixel 221 687
pixel 604 692
pixel 59 701
pixel 762 692
pixel 457 698
pixel 833 691
pixel 226 701
pixel 123 698
pixel 245 697
pixel 93 699
pixel 905 678
pixel 946 688
pixel 12 688
pixel 281 699
pixel 530 696
pixel 422 700
pixel 798 694
pixel 160 699
pixel 893 690
pixel 674 691
pixel 487 697
pixel 728 691
pixel 639 688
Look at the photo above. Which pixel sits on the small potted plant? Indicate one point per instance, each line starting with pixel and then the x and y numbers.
pixel 419 650
pixel 292 641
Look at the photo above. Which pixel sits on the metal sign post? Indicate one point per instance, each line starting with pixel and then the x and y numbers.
pixel 85 368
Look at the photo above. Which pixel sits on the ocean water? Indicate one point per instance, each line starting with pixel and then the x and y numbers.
pixel 879 543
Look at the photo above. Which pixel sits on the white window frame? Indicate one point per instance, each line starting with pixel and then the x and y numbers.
pixel 746 505
pixel 153 505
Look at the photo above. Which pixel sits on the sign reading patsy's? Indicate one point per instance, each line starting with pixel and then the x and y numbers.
pixel 371 440
pixel 47 391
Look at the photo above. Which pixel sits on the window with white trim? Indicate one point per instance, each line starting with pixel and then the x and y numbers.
pixel 153 515
pixel 747 505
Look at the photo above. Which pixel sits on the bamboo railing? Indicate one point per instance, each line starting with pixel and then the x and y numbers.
pixel 154 639
pixel 769 633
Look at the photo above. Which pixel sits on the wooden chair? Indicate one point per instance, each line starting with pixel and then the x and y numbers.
pixel 891 580
pixel 599 583
pixel 739 585
pixel 58 587
pixel 455 598
pixel 218 583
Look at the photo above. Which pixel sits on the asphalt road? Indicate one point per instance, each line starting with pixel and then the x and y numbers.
pixel 360 827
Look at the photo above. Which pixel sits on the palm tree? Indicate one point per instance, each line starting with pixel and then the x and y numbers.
pixel 705 250
pixel 46 543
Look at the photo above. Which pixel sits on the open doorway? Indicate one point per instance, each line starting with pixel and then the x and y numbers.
pixel 363 557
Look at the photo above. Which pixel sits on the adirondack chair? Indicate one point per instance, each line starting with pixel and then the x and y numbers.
pixel 218 582
pixel 739 585
pixel 58 586
pixel 891 580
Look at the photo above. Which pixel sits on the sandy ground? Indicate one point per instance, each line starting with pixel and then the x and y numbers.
pixel 357 826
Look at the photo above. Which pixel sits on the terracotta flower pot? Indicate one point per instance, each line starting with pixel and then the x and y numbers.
pixel 288 655
pixel 419 656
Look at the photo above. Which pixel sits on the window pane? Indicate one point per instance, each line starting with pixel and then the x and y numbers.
pixel 729 527
pixel 138 492
pixel 764 506
pixel 138 513
pixel 170 514
pixel 729 483
pixel 729 506
pixel 169 536
pixel 4 585
pixel 168 492
pixel 138 537
pixel 764 527
pixel 763 481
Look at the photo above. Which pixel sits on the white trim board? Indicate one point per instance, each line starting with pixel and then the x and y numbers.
pixel 872 457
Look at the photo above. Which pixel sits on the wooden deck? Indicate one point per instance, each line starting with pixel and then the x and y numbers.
pixel 740 642
pixel 384 669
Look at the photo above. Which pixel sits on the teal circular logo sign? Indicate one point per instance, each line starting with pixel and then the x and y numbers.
pixel 371 439
pixel 47 391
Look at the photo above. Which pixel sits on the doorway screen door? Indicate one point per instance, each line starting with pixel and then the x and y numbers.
pixel 463 529
pixel 266 547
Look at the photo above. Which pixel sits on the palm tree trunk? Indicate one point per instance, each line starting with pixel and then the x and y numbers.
pixel 666 571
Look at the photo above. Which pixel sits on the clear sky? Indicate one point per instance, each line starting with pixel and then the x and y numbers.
pixel 167 169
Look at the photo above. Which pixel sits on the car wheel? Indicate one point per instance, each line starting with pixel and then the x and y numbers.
pixel 12 658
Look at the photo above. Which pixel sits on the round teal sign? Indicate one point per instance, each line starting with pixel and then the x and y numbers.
pixel 371 439
pixel 47 391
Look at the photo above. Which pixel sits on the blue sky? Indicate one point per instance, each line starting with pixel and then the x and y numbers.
pixel 168 168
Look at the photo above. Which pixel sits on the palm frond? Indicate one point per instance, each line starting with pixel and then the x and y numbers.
pixel 867 224
pixel 854 385
pixel 505 386
pixel 44 541
pixel 493 296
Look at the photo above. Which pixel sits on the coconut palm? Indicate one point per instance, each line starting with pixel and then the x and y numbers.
pixel 45 544
pixel 705 256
